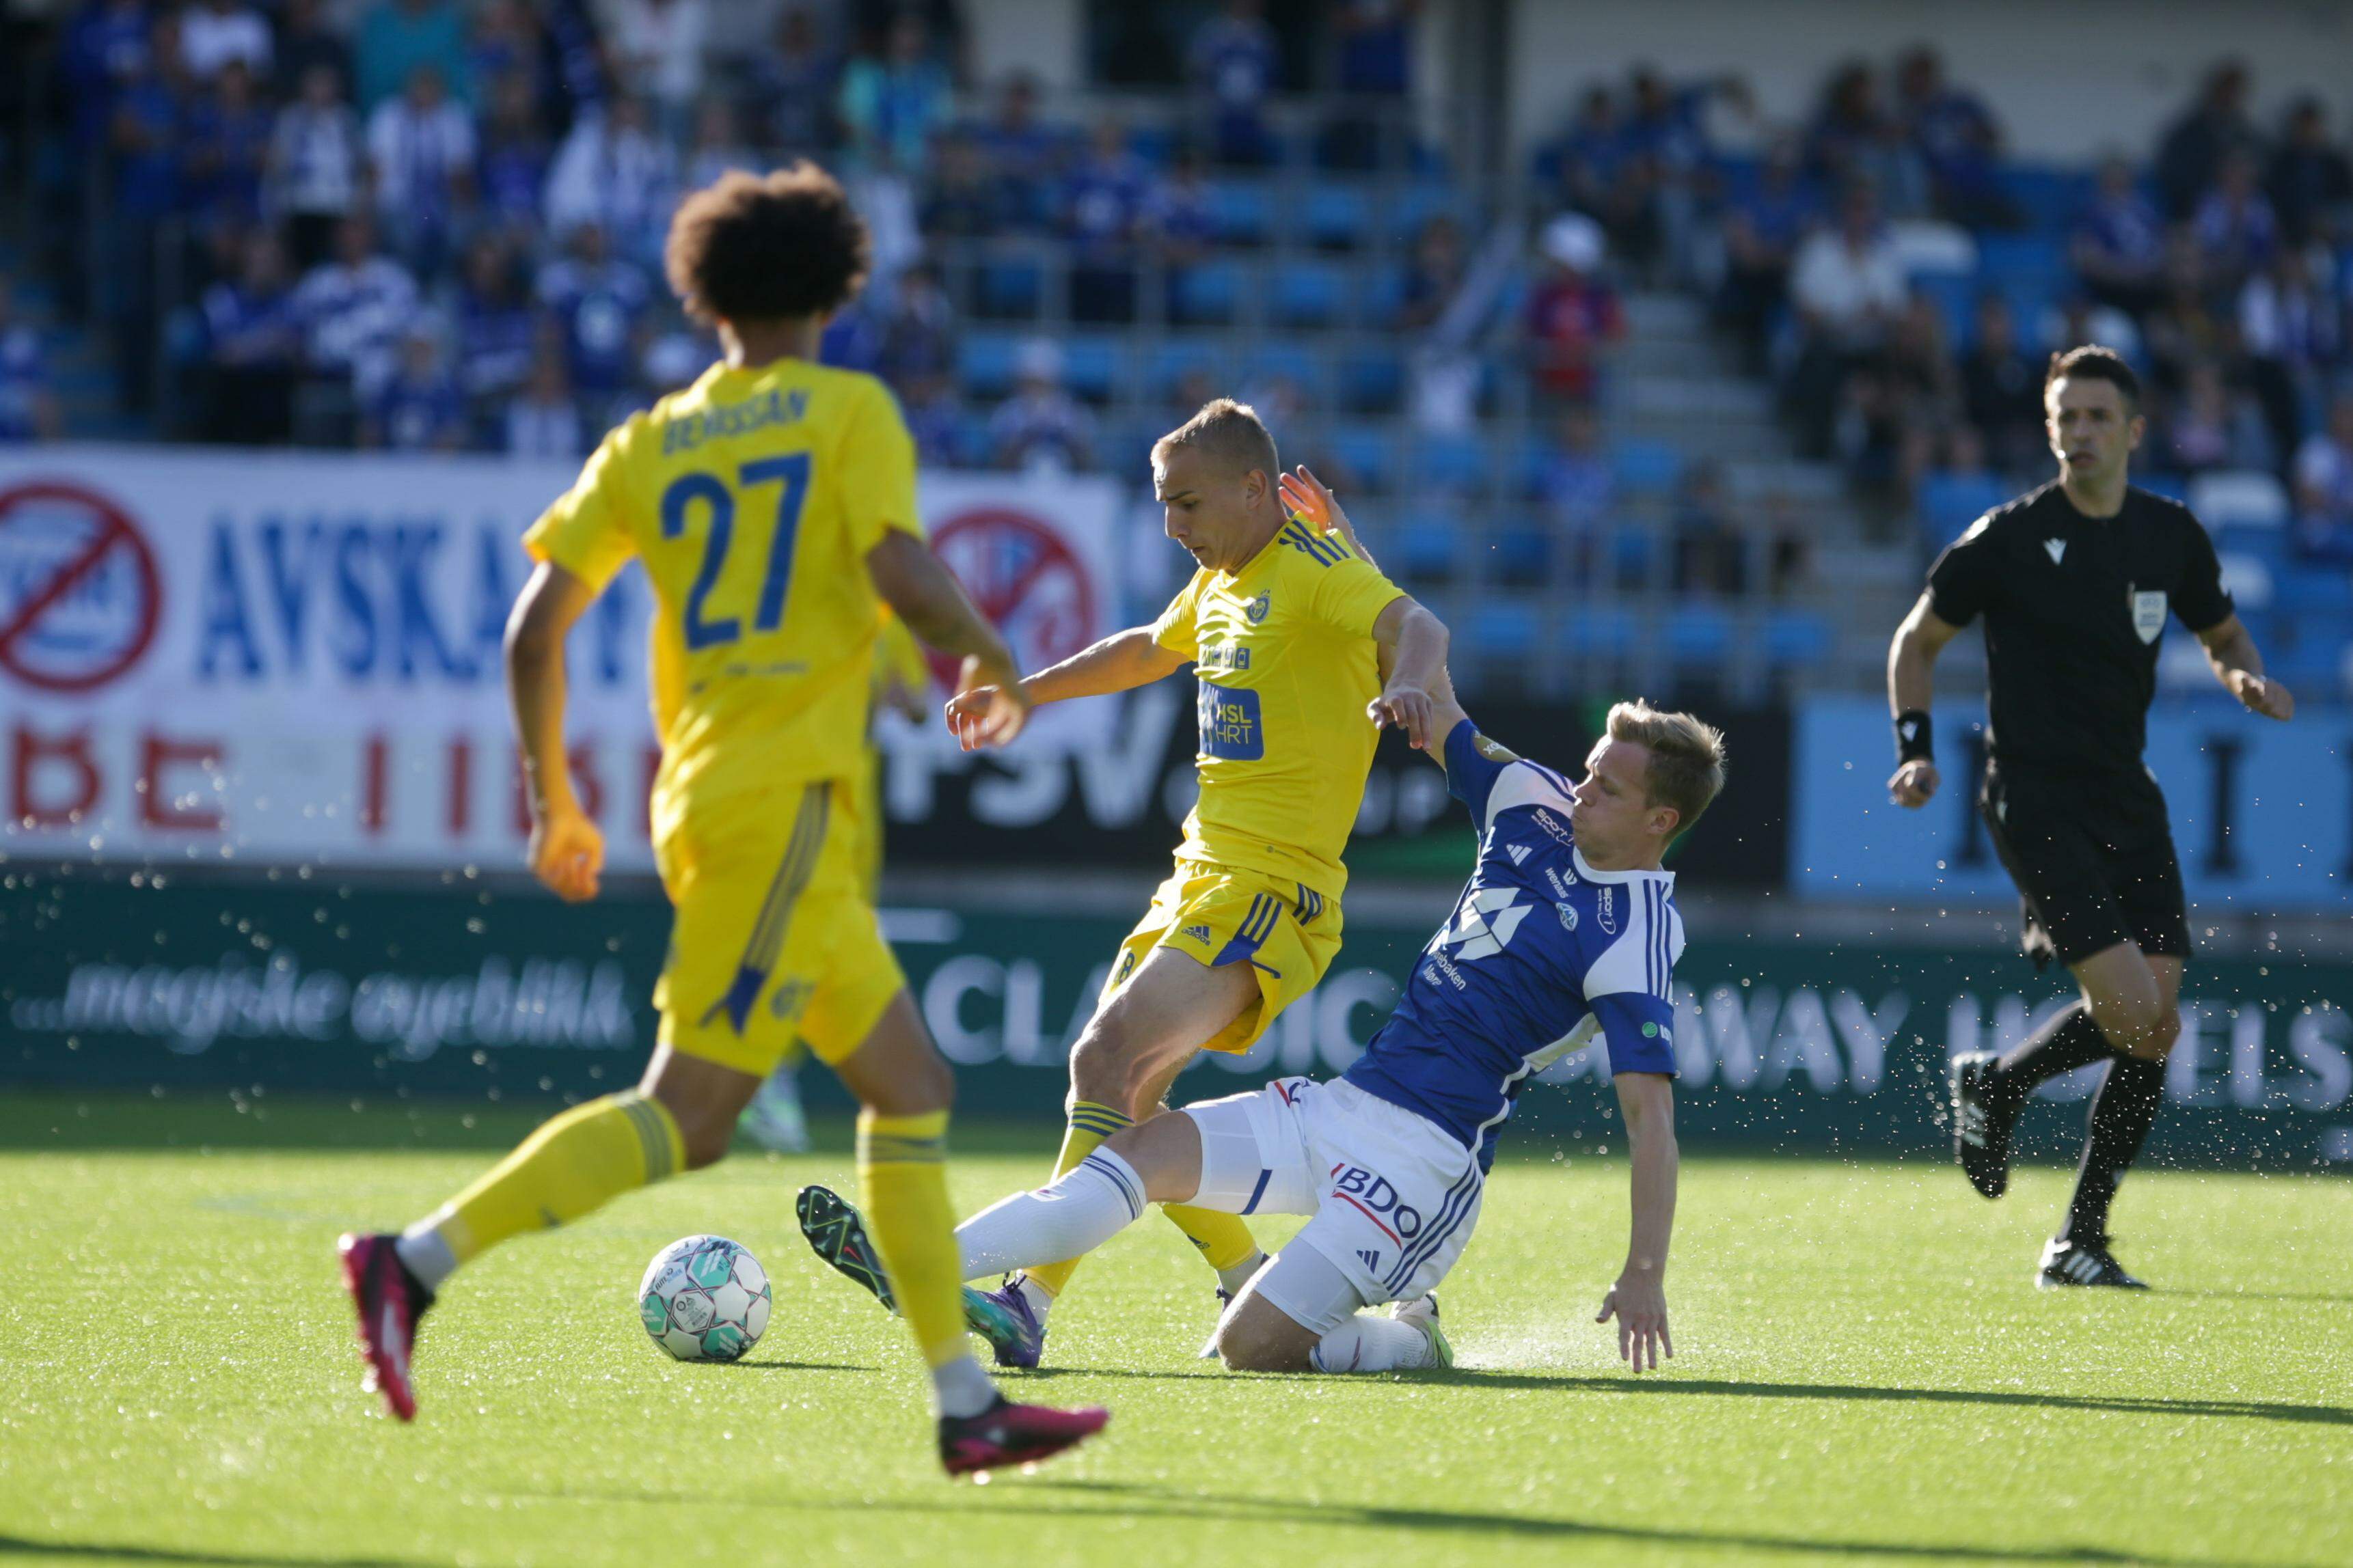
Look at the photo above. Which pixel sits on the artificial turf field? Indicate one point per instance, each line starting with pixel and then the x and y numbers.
pixel 1864 1375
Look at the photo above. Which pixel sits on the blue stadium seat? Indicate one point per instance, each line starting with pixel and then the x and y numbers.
pixel 1381 296
pixel 1415 204
pixel 1204 293
pixel 1456 463
pixel 1948 503
pixel 2050 199
pixel 1646 466
pixel 1798 639
pixel 1154 142
pixel 1430 549
pixel 984 363
pixel 1699 636
pixel 1372 380
pixel 1242 211
pixel 1603 631
pixel 1955 295
pixel 1091 368
pixel 2318 592
pixel 1634 557
pixel 1011 289
pixel 1503 631
pixel 1308 294
pixel 1367 452
pixel 1338 214
pixel 1171 361
pixel 1520 551
pixel 1297 362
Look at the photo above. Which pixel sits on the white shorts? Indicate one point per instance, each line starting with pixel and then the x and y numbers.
pixel 1393 1197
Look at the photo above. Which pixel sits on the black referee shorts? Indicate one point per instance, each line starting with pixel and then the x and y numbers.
pixel 2093 857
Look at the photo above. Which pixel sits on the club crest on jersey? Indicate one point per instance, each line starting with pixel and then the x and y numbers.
pixel 1567 915
pixel 2148 613
pixel 1608 912
pixel 1255 611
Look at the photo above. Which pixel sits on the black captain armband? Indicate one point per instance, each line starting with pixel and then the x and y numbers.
pixel 1915 739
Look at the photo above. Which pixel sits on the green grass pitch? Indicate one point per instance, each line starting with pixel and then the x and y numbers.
pixel 1865 1376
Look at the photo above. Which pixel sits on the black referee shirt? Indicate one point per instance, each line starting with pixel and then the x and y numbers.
pixel 2074 607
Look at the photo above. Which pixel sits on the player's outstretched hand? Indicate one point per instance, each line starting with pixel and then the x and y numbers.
pixel 1913 783
pixel 1305 496
pixel 2263 694
pixel 1640 1305
pixel 567 853
pixel 982 717
pixel 1407 707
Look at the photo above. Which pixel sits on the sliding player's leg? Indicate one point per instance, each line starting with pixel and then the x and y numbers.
pixel 1148 1025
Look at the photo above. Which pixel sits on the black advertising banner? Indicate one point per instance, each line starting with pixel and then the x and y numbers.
pixel 311 986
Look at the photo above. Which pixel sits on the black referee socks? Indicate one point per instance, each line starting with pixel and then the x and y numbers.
pixel 2067 1042
pixel 2121 1118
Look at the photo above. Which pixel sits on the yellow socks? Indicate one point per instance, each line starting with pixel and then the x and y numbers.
pixel 903 1183
pixel 1223 1238
pixel 1090 1125
pixel 572 1167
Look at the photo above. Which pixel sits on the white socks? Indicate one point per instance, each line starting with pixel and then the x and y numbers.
pixel 1070 1218
pixel 1366 1343
pixel 1231 1280
pixel 961 1388
pixel 424 1253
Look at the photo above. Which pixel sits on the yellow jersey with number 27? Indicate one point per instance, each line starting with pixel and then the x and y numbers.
pixel 752 497
pixel 1284 654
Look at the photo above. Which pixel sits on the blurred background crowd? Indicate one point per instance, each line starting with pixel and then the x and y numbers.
pixel 1675 358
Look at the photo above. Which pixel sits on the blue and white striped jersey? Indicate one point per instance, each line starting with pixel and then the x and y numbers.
pixel 1542 952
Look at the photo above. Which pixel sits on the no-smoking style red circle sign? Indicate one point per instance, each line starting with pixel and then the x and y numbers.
pixel 80 594
pixel 1025 578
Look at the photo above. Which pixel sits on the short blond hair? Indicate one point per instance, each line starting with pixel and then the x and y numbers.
pixel 1230 431
pixel 1686 768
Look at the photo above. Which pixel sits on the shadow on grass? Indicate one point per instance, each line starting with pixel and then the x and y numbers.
pixel 1664 1387
pixel 794 1366
pixel 17 1546
pixel 2320 1296
pixel 1077 1500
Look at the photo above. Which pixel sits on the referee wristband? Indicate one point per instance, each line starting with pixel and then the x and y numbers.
pixel 1915 739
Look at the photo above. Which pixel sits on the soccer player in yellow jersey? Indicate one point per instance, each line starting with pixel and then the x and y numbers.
pixel 773 506
pixel 775 1119
pixel 1292 633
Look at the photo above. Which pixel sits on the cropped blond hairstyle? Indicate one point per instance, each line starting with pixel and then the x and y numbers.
pixel 1686 758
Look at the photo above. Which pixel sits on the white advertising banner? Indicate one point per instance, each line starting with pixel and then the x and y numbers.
pixel 281 658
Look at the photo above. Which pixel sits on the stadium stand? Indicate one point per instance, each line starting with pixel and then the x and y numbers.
pixel 1848 314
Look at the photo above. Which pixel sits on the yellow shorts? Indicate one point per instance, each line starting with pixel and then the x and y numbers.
pixel 774 938
pixel 1286 931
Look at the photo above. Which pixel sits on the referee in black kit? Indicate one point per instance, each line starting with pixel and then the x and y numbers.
pixel 2074 580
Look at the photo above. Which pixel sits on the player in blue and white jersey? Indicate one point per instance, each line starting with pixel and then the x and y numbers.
pixel 1566 936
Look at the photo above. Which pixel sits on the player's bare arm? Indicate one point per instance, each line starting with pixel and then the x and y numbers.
pixel 566 851
pixel 1911 687
pixel 991 705
pixel 1118 662
pixel 1413 662
pixel 2230 650
pixel 1639 1299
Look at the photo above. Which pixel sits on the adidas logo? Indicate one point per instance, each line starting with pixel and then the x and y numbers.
pixel 1198 933
pixel 1370 1258
pixel 1518 852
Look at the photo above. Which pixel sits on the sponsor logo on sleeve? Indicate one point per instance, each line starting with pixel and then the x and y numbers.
pixel 1608 912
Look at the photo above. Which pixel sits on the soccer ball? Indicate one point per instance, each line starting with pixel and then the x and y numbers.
pixel 705 1299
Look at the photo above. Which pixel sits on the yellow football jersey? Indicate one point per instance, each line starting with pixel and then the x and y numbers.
pixel 753 497
pixel 1284 649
